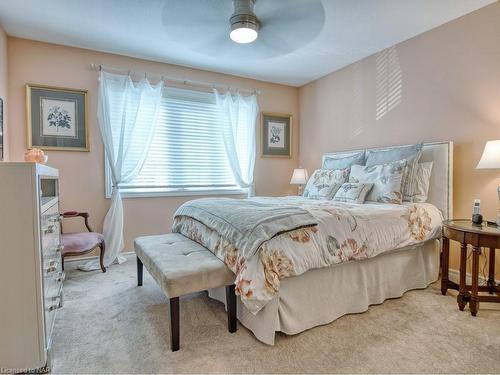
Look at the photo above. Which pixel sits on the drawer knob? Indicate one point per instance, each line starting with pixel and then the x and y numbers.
pixel 51 269
pixel 49 229
pixel 58 303
pixel 55 306
pixel 61 277
pixel 55 218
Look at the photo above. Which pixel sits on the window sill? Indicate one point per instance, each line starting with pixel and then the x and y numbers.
pixel 177 193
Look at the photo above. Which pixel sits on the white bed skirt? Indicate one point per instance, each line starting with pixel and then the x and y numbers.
pixel 309 300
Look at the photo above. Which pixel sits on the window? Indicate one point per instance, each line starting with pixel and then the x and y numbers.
pixel 187 154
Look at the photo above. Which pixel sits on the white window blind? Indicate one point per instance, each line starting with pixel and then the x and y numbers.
pixel 187 154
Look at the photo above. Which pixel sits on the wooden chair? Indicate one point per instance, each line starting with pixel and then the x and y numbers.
pixel 76 244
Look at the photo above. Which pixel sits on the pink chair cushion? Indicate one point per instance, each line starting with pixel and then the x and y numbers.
pixel 80 242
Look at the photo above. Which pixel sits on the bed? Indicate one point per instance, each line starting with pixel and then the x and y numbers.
pixel 368 274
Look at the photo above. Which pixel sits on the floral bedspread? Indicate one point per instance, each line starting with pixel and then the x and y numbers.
pixel 344 232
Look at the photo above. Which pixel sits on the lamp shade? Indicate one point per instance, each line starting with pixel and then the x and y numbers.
pixel 491 156
pixel 299 176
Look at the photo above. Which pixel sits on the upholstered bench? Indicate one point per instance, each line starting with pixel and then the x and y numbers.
pixel 181 266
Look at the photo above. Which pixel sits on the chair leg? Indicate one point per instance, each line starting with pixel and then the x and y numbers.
pixel 139 272
pixel 232 320
pixel 101 257
pixel 174 324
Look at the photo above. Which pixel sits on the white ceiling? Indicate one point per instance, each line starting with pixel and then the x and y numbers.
pixel 300 40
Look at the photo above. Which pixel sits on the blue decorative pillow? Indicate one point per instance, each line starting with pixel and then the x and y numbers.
pixel 344 160
pixel 411 154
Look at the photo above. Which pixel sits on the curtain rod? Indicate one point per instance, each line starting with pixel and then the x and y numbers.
pixel 187 82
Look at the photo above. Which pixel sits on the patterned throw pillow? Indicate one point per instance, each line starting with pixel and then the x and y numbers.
pixel 324 183
pixel 411 154
pixel 422 181
pixel 386 180
pixel 352 192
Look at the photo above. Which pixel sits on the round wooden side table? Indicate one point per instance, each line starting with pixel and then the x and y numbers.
pixel 478 237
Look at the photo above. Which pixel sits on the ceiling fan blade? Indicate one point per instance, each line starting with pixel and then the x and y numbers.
pixel 202 26
pixel 276 44
pixel 289 10
pixel 216 44
pixel 281 19
pixel 184 13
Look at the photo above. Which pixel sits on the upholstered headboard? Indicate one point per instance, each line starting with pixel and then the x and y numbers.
pixel 441 184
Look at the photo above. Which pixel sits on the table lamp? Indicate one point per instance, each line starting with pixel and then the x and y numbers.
pixel 491 160
pixel 299 177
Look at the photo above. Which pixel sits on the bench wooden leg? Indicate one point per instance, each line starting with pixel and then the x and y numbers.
pixel 232 321
pixel 139 272
pixel 174 324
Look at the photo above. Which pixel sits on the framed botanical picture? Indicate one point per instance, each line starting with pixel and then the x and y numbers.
pixel 276 135
pixel 57 118
pixel 1 129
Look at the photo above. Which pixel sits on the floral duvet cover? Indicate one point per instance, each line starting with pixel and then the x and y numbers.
pixel 345 232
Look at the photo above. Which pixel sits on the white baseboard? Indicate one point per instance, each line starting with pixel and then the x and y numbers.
pixel 83 259
pixel 454 275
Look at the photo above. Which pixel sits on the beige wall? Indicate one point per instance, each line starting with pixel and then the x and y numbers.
pixel 82 173
pixel 450 91
pixel 3 87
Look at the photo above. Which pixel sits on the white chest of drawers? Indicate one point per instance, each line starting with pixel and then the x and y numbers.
pixel 30 264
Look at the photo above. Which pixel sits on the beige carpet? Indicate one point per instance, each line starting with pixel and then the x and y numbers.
pixel 109 325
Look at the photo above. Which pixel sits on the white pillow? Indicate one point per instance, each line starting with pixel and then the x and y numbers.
pixel 422 181
pixel 324 183
pixel 386 180
pixel 352 192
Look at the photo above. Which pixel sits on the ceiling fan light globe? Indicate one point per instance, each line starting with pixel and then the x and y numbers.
pixel 243 34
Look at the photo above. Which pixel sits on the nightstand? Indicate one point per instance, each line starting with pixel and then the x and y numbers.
pixel 478 237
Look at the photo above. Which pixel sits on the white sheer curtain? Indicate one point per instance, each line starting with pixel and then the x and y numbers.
pixel 239 131
pixel 127 113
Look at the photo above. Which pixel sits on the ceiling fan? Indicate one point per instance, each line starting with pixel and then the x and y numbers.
pixel 260 28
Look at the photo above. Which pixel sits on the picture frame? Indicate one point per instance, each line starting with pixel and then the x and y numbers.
pixel 1 129
pixel 276 135
pixel 57 118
